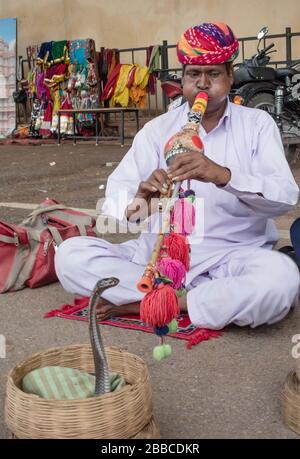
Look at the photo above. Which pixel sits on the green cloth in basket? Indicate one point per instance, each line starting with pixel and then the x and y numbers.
pixel 62 383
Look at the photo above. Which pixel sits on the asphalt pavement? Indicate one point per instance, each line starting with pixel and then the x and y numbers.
pixel 223 388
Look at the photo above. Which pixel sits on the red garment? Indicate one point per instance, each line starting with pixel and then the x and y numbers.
pixel 57 69
pixel 131 77
pixel 45 130
pixel 111 84
pixel 152 77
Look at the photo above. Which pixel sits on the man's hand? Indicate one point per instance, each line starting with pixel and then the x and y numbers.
pixel 196 166
pixel 158 183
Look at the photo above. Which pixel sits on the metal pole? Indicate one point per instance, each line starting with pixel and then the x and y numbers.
pixel 58 130
pixel 288 32
pixel 164 67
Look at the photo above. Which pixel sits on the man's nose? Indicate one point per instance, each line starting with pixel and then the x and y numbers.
pixel 203 81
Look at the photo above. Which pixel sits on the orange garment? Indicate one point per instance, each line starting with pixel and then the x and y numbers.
pixel 138 91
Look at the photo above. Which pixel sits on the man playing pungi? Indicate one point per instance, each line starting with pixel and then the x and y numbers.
pixel 242 181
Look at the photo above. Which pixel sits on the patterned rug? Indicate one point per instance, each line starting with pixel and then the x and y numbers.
pixel 186 331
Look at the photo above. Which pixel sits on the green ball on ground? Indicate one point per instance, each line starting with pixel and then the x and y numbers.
pixel 167 350
pixel 158 353
pixel 162 352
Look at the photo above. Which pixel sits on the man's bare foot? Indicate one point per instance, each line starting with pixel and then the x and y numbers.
pixel 182 304
pixel 105 309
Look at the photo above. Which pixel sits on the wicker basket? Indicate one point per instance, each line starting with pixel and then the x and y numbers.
pixel 298 368
pixel 290 401
pixel 126 413
pixel 150 432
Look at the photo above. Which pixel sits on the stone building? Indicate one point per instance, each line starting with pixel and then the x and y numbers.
pixel 7 87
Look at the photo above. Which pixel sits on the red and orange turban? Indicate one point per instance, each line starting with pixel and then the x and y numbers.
pixel 207 43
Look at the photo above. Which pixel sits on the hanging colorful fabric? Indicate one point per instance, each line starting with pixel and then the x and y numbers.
pixel 66 119
pixel 45 130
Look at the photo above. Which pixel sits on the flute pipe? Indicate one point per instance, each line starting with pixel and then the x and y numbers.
pixel 166 223
pixel 147 281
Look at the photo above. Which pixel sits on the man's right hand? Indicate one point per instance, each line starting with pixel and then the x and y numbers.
pixel 158 183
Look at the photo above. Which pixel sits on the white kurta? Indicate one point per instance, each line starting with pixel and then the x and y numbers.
pixel 234 276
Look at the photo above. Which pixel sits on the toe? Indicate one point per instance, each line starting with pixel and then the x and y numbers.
pixel 103 311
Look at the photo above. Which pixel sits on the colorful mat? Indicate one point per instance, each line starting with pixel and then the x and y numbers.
pixel 186 331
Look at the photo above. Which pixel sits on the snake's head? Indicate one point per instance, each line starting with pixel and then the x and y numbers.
pixel 109 282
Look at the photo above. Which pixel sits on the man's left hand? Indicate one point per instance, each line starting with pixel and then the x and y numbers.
pixel 196 166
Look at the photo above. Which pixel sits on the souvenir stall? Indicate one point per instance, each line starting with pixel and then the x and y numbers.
pixel 63 75
pixel 72 75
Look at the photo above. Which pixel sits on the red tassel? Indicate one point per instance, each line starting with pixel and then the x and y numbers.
pixel 178 248
pixel 159 307
pixel 202 334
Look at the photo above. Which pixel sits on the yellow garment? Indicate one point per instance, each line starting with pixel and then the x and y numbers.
pixel 56 98
pixel 121 94
pixel 141 76
pixel 137 94
pixel 32 83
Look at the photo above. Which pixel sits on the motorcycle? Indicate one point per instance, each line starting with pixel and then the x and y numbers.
pixel 172 88
pixel 276 91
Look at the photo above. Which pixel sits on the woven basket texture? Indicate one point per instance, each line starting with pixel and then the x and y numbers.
pixel 126 413
pixel 290 401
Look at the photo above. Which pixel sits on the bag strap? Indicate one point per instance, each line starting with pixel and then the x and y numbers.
pixel 23 266
pixel 81 229
pixel 17 276
pixel 10 240
pixel 81 226
pixel 55 234
pixel 41 210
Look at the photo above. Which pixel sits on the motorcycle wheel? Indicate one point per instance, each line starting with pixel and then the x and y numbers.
pixel 263 101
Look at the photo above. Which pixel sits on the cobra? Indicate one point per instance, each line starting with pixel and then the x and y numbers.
pixel 102 384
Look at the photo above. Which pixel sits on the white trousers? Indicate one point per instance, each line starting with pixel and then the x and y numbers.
pixel 251 286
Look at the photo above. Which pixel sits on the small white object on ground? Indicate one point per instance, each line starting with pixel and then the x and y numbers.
pixel 114 163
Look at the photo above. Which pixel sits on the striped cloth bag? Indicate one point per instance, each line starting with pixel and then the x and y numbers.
pixel 62 383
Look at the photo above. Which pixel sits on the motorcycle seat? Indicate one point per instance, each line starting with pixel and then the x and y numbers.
pixel 282 73
pixel 247 74
pixel 262 73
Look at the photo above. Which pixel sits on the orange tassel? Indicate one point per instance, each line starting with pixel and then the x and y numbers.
pixel 160 307
pixel 178 248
